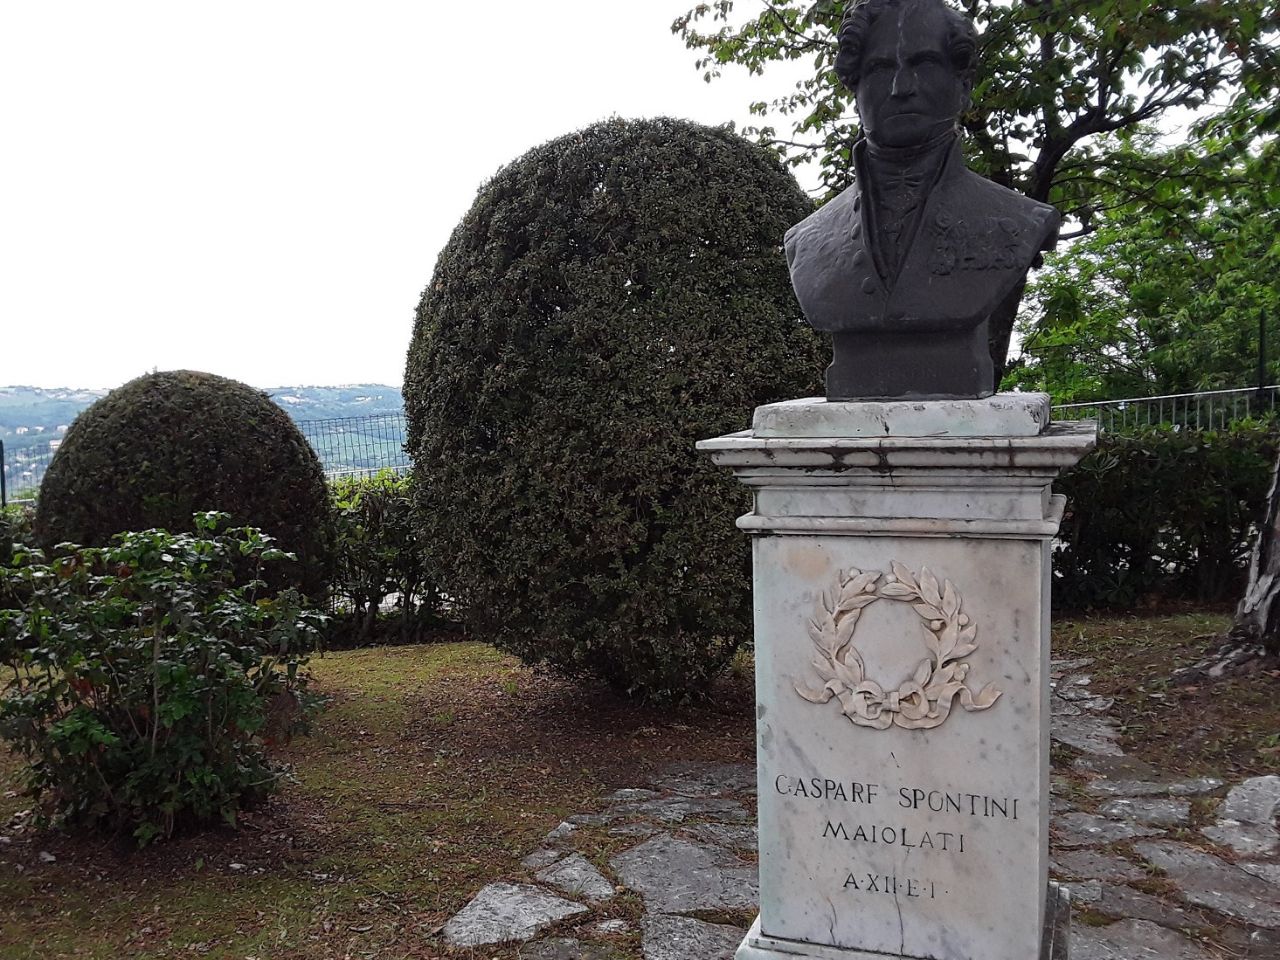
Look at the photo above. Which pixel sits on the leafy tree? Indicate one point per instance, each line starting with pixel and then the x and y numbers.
pixel 1155 304
pixel 1063 98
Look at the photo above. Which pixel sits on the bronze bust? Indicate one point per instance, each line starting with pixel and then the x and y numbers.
pixel 905 266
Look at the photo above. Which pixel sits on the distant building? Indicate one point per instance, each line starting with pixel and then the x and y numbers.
pixel 21 430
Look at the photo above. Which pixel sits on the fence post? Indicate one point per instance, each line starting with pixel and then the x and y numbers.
pixel 4 493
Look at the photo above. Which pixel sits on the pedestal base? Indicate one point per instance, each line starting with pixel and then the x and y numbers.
pixel 901 556
pixel 1057 925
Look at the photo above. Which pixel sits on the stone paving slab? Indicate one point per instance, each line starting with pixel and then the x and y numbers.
pixel 1244 839
pixel 1150 811
pixel 1116 768
pixel 1269 872
pixel 1247 818
pixel 681 876
pixel 1091 734
pixel 679 809
pixel 564 948
pixel 1093 865
pixel 1210 882
pixel 735 836
pixel 1133 940
pixel 507 911
pixel 542 858
pixel 1194 787
pixel 684 938
pixel 578 878
pixel 1125 903
pixel 1080 829
pixel 692 828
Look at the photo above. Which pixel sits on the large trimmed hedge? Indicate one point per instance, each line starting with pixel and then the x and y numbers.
pixel 612 297
pixel 1162 512
pixel 165 446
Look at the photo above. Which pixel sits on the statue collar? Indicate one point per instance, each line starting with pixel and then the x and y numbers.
pixel 908 156
pixel 919 169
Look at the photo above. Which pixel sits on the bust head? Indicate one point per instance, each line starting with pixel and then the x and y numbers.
pixel 910 65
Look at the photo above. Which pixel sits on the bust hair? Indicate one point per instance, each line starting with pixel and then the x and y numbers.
pixel 962 38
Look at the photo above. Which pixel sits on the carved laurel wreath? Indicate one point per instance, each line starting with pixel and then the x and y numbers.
pixel 923 701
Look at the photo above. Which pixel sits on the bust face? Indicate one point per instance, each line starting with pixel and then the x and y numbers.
pixel 908 91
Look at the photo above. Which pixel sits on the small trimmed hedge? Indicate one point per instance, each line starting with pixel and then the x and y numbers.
pixel 380 562
pixel 1163 512
pixel 611 298
pixel 164 446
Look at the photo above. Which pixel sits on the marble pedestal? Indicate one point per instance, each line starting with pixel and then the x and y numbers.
pixel 901 594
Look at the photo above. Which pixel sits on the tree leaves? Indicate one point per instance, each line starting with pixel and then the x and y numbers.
pixel 1169 301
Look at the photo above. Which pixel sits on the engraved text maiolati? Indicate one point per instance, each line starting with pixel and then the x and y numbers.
pixel 924 700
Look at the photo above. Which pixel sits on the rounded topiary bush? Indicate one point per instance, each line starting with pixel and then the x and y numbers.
pixel 166 445
pixel 611 298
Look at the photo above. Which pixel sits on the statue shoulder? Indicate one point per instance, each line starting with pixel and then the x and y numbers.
pixel 1039 220
pixel 833 219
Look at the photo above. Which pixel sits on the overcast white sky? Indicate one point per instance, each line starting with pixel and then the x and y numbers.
pixel 260 189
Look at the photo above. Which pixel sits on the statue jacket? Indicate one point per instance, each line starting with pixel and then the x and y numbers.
pixel 973 242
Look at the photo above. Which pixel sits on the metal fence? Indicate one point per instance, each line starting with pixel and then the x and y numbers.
pixel 1209 409
pixel 21 470
pixel 361 446
pixel 358 446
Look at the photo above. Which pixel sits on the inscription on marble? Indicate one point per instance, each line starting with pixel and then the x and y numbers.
pixel 871 825
pixel 912 887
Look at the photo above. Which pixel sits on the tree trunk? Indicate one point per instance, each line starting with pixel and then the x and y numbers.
pixel 1258 614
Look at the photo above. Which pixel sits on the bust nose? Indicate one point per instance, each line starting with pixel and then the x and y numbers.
pixel 904 81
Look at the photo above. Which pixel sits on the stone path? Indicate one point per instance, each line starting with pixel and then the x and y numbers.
pixel 1158 868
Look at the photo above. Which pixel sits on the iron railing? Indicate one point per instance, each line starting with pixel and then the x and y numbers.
pixel 362 446
pixel 21 470
pixel 1209 409
pixel 358 446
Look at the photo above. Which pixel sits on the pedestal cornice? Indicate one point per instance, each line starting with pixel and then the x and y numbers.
pixel 938 486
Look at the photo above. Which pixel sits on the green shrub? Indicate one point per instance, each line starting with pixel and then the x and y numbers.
pixel 15 535
pixel 611 298
pixel 143 675
pixel 379 553
pixel 15 528
pixel 1162 511
pixel 164 446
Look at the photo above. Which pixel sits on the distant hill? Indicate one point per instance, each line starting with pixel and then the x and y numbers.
pixel 33 420
pixel 28 413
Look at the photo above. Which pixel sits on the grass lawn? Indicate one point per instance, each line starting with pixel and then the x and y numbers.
pixel 435 769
